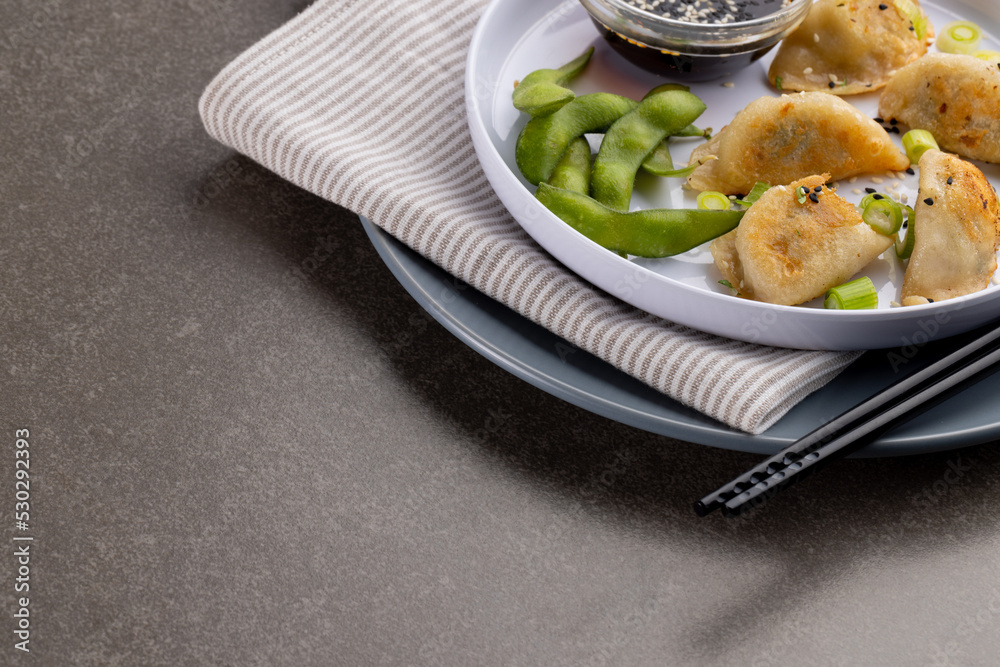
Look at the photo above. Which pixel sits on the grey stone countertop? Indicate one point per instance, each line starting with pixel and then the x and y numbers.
pixel 234 460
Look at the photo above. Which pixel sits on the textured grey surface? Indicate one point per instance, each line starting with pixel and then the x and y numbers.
pixel 249 446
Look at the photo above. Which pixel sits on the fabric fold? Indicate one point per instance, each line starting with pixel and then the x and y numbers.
pixel 363 105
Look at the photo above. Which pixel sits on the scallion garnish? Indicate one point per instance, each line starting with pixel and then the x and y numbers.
pixel 904 244
pixel 884 216
pixel 870 197
pixel 859 294
pixel 987 55
pixel 916 143
pixel 959 37
pixel 913 13
pixel 758 189
pixel 713 201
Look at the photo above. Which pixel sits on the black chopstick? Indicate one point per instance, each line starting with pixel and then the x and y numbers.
pixel 858 426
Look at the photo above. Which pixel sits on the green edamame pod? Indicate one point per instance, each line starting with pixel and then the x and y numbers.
pixel 542 92
pixel 657 232
pixel 659 162
pixel 573 170
pixel 544 139
pixel 634 136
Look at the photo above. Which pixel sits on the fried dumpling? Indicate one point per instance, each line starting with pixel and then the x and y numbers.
pixel 779 139
pixel 786 252
pixel 957 231
pixel 954 97
pixel 847 47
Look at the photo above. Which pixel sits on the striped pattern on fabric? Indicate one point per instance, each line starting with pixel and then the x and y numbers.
pixel 366 109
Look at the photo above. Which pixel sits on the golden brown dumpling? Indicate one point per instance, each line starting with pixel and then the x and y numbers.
pixel 954 97
pixel 786 252
pixel 847 47
pixel 779 139
pixel 957 231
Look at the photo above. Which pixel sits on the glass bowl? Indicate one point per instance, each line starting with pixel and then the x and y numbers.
pixel 691 51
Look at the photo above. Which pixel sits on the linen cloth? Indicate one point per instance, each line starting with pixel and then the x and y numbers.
pixel 362 103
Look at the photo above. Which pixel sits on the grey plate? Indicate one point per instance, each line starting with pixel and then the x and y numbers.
pixel 548 362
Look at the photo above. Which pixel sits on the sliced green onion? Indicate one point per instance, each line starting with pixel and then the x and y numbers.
pixel 884 216
pixel 916 143
pixel 759 188
pixel 990 56
pixel 959 37
pixel 713 201
pixel 904 244
pixel 801 193
pixel 870 197
pixel 913 13
pixel 858 294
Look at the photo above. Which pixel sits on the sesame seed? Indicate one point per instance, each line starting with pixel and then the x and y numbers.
pixel 876 179
pixel 929 201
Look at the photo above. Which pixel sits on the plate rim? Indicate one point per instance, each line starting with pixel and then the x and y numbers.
pixel 672 419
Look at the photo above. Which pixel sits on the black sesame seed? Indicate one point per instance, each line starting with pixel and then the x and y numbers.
pixel 878 196
pixel 818 188
pixel 883 6
pixel 813 197
pixel 930 300
pixel 893 121
pixel 894 130
pixel 879 120
pixel 870 190
pixel 832 85
pixel 949 180
pixel 929 201
pixel 909 170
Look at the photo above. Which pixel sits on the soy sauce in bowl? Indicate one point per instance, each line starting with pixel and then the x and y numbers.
pixel 695 40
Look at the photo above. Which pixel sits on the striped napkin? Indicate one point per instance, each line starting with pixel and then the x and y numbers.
pixel 341 101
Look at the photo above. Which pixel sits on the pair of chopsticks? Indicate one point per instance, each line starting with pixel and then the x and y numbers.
pixel 859 426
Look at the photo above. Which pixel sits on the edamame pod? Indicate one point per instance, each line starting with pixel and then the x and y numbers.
pixel 633 137
pixel 573 170
pixel 542 91
pixel 648 233
pixel 659 162
pixel 544 139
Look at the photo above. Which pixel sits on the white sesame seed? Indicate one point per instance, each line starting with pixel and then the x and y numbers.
pixel 876 179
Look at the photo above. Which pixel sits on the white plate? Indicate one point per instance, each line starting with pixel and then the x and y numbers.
pixel 514 37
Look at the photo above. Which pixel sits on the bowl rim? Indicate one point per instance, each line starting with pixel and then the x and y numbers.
pixel 774 18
